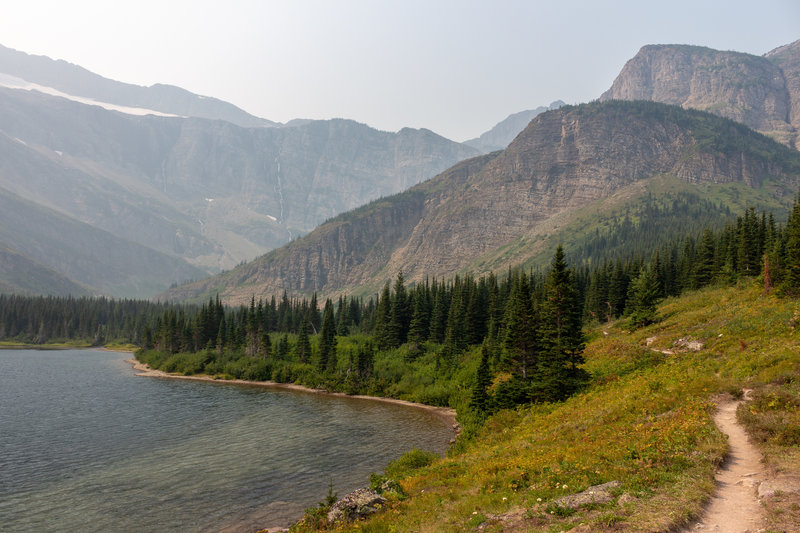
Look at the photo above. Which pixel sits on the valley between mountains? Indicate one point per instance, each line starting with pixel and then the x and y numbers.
pixel 586 284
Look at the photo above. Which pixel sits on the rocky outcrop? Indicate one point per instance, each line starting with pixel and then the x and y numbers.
pixel 561 162
pixel 787 58
pixel 753 90
pixel 779 485
pixel 596 494
pixel 358 504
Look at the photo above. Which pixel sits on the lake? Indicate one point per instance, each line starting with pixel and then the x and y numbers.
pixel 85 445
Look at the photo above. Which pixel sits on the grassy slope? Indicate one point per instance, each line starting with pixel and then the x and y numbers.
pixel 645 421
pixel 576 229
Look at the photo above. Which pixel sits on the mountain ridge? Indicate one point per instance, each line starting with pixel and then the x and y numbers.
pixel 504 131
pixel 207 191
pixel 754 90
pixel 561 161
pixel 78 81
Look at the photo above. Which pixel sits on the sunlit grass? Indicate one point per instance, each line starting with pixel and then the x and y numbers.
pixel 645 421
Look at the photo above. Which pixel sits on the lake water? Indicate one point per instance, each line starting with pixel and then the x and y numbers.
pixel 85 445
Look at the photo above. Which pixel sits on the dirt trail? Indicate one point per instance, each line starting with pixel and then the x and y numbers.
pixel 735 507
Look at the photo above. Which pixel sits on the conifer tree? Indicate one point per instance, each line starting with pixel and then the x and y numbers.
pixel 454 340
pixel 617 289
pixel 791 267
pixel 303 348
pixel 643 298
pixel 397 329
pixel 474 317
pixel 480 399
pixel 685 266
pixel 420 323
pixel 365 357
pixel 314 318
pixel 561 336
pixel 221 336
pixel 597 304
pixel 283 347
pixel 748 250
pixel 704 266
pixel 494 311
pixel 265 346
pixel 521 342
pixel 343 321
pixel 382 318
pixel 439 316
pixel 327 336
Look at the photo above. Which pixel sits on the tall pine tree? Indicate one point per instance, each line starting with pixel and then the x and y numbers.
pixel 327 339
pixel 561 335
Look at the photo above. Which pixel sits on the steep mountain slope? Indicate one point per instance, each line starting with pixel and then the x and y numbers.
pixel 208 192
pixel 20 275
pixel 753 90
pixel 787 58
pixel 77 81
pixel 88 255
pixel 504 131
pixel 494 211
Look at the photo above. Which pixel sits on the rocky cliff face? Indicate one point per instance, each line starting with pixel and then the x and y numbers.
pixel 787 58
pixel 561 162
pixel 753 90
pixel 205 191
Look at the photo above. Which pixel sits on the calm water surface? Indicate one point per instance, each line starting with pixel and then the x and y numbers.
pixel 85 445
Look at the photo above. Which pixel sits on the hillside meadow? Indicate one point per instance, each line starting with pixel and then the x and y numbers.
pixel 644 421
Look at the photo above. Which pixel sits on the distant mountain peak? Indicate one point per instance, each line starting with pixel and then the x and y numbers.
pixel 762 92
pixel 504 131
pixel 76 81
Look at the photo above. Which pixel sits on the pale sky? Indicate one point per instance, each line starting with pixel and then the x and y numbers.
pixel 456 67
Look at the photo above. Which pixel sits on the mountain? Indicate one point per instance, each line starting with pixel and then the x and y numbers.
pixel 509 208
pixel 79 82
pixel 208 193
pixel 787 58
pixel 83 253
pixel 504 131
pixel 762 92
pixel 21 275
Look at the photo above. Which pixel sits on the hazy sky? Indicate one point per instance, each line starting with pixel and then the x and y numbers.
pixel 455 67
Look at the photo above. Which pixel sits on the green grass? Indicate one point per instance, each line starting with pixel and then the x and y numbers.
pixel 645 421
pixel 121 347
pixel 46 346
pixel 578 230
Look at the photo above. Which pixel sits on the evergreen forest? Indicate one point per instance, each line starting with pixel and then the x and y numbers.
pixel 476 344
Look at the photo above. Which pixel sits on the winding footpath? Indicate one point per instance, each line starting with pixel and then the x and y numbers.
pixel 735 508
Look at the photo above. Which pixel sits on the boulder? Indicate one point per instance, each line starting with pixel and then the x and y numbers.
pixel 779 485
pixel 390 485
pixel 357 504
pixel 594 494
pixel 685 344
